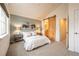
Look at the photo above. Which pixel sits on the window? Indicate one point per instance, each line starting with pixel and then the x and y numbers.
pixel 3 23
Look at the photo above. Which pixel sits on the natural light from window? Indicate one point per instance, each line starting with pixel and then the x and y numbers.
pixel 3 23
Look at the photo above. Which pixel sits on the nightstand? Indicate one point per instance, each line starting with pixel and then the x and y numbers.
pixel 39 33
pixel 18 37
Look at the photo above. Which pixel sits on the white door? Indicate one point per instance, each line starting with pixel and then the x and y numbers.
pixel 76 32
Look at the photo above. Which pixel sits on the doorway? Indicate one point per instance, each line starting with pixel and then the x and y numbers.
pixel 50 27
pixel 64 31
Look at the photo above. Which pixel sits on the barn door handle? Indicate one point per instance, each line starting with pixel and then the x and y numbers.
pixel 67 32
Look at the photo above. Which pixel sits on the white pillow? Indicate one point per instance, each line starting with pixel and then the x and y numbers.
pixel 33 33
pixel 26 34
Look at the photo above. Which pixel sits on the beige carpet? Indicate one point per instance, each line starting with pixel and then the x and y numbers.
pixel 53 49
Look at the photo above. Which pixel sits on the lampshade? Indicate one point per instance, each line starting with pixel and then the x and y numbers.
pixel 17 30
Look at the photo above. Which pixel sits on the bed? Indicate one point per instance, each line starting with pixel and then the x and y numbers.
pixel 33 41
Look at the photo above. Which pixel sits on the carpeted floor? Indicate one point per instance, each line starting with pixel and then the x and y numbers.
pixel 53 49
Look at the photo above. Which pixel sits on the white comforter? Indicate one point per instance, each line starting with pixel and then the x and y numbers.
pixel 35 41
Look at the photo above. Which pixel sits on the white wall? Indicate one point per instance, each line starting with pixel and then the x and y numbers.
pixel 4 44
pixel 60 12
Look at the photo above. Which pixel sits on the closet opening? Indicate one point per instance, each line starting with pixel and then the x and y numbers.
pixel 64 31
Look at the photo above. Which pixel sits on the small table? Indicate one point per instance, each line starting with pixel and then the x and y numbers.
pixel 18 37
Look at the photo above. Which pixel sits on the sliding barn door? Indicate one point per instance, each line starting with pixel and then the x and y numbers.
pixel 52 28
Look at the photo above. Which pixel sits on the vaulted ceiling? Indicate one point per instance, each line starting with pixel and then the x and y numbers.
pixel 32 10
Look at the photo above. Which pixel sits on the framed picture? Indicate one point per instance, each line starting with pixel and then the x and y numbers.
pixel 33 26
